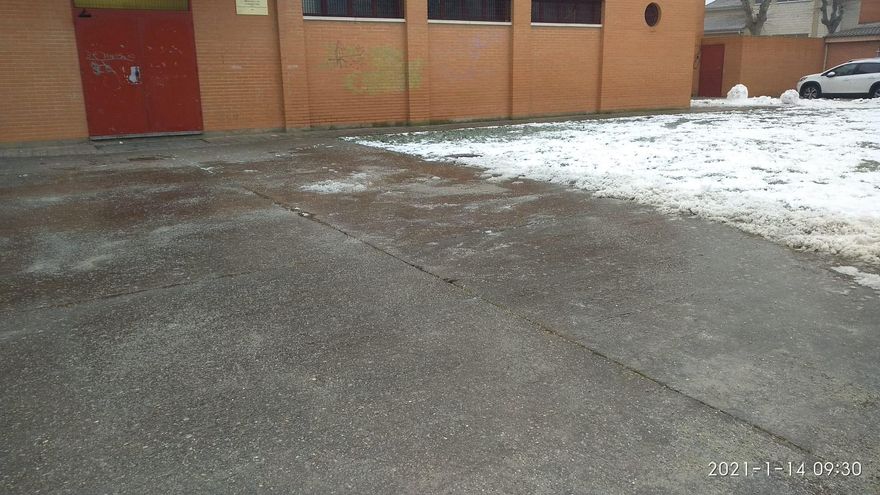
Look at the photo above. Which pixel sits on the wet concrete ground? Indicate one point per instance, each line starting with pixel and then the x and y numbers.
pixel 183 316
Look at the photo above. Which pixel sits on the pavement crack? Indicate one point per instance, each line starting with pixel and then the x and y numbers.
pixel 544 327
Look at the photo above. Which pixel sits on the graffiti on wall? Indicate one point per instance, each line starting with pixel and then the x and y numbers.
pixel 341 56
pixel 373 70
pixel 101 63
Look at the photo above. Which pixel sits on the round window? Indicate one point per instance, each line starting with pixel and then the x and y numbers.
pixel 652 14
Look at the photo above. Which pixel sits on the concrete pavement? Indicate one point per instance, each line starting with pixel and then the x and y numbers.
pixel 299 314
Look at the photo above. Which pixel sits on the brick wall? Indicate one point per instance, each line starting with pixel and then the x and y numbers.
pixel 356 72
pixel 469 71
pixel 648 67
pixel 870 11
pixel 40 89
pixel 239 68
pixel 733 50
pixel 773 65
pixel 839 53
pixel 281 71
pixel 566 64
pixel 768 65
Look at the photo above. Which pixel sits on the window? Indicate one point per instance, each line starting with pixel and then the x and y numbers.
pixel 652 14
pixel 133 4
pixel 387 9
pixel 470 10
pixel 872 68
pixel 843 70
pixel 567 11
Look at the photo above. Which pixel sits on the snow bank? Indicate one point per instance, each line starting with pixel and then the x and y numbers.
pixel 767 171
pixel 766 101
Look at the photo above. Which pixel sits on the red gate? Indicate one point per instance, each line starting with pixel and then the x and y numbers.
pixel 711 70
pixel 139 71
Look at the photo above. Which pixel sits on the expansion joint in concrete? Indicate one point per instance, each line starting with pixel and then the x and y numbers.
pixel 541 326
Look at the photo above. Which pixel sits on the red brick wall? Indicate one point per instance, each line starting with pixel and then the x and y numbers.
pixel 40 88
pixel 870 11
pixel 239 68
pixel 469 71
pixel 839 53
pixel 768 65
pixel 733 53
pixel 566 65
pixel 648 67
pixel 771 65
pixel 356 71
pixel 327 72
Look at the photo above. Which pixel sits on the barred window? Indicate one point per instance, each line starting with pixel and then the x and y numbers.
pixel 388 9
pixel 469 10
pixel 567 11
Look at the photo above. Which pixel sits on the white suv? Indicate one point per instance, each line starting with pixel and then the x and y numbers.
pixel 856 78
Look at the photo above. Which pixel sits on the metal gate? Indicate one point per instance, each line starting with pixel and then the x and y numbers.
pixel 711 70
pixel 138 64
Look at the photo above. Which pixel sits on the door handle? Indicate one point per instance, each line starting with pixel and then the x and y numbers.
pixel 135 76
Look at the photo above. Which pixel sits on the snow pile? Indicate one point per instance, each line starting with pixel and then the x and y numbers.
pixel 355 182
pixel 790 97
pixel 867 279
pixel 766 171
pixel 738 93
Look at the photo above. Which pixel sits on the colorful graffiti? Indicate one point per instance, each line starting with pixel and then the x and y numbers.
pixel 376 70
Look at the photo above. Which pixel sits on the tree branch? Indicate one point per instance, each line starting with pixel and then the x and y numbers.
pixel 755 22
pixel 832 19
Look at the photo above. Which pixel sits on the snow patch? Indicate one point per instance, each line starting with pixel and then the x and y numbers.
pixel 356 182
pixel 762 171
pixel 867 279
pixel 738 93
pixel 766 101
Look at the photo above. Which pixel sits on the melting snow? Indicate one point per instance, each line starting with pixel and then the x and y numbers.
pixel 787 98
pixel 355 182
pixel 867 279
pixel 806 175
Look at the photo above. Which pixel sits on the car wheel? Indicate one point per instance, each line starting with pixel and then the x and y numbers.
pixel 811 91
pixel 875 91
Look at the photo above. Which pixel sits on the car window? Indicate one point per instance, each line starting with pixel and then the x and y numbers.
pixel 871 68
pixel 845 70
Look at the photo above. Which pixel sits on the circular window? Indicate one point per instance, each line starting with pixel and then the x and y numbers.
pixel 652 14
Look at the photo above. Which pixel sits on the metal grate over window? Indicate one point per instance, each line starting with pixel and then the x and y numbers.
pixel 133 4
pixel 387 9
pixel 469 10
pixel 567 11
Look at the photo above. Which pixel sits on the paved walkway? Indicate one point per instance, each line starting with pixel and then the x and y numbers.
pixel 299 314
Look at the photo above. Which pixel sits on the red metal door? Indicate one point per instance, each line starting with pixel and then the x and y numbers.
pixel 170 72
pixel 711 70
pixel 109 57
pixel 139 72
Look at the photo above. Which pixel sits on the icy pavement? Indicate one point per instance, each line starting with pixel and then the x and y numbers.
pixel 806 175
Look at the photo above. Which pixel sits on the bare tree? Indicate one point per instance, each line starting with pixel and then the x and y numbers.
pixel 755 20
pixel 832 14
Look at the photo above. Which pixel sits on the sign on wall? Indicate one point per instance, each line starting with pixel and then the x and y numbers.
pixel 252 7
